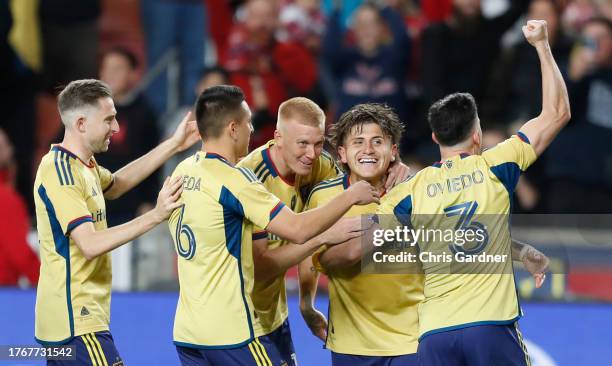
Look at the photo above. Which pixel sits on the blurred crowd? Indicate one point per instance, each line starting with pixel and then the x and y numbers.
pixel 157 55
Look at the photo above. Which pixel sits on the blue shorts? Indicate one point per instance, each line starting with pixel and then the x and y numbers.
pixel 341 359
pixel 280 343
pixel 481 345
pixel 253 354
pixel 92 349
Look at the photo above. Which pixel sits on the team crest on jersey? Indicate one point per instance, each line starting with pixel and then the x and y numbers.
pixel 84 311
pixel 449 164
pixel 93 192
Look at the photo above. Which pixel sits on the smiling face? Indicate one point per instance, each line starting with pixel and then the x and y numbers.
pixel 300 145
pixel 367 151
pixel 99 125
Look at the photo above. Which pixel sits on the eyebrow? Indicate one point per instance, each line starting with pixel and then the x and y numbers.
pixel 363 138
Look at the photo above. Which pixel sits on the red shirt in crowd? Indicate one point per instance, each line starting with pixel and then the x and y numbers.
pixel 16 257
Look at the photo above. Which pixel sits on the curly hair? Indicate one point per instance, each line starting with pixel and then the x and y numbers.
pixel 361 114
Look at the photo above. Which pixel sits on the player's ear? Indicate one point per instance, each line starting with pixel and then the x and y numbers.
pixel 476 138
pixel 233 129
pixel 393 152
pixel 434 138
pixel 278 137
pixel 342 154
pixel 79 124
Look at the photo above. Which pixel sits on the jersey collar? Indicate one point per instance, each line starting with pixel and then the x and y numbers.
pixel 212 155
pixel 462 155
pixel 267 158
pixel 57 147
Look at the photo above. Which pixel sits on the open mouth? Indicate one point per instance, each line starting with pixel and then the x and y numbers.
pixel 367 161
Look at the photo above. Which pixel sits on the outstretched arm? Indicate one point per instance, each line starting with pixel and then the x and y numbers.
pixel 129 176
pixel 270 263
pixel 555 114
pixel 94 243
pixel 299 228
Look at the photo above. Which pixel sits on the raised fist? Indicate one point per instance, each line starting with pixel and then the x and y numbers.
pixel 535 31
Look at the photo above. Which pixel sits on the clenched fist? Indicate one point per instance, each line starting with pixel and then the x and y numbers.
pixel 535 31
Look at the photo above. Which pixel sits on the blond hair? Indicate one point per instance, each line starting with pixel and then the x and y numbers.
pixel 303 109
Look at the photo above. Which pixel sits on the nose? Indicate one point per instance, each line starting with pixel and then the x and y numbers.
pixel 310 152
pixel 115 126
pixel 368 147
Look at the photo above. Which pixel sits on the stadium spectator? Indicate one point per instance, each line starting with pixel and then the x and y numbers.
pixel 179 24
pixel 137 134
pixel 260 119
pixel 302 21
pixel 69 25
pixel 577 13
pixel 372 69
pixel 437 10
pixel 212 76
pixel 579 161
pixel 459 52
pixel 17 259
pixel 267 70
pixel 17 104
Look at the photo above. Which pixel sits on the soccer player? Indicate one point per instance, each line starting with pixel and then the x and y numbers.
pixel 215 320
pixel 289 166
pixel 73 295
pixel 366 329
pixel 470 318
pixel 373 318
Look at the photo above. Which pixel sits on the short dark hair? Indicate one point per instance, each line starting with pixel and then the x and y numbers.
pixel 129 56
pixel 361 114
pixel 452 118
pixel 215 107
pixel 81 93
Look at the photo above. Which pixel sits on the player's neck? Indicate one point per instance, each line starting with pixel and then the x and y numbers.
pixel 450 151
pixel 376 182
pixel 75 146
pixel 222 148
pixel 281 165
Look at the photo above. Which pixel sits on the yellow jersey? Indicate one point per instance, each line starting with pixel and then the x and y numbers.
pixel 212 233
pixel 369 314
pixel 73 294
pixel 270 296
pixel 465 192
